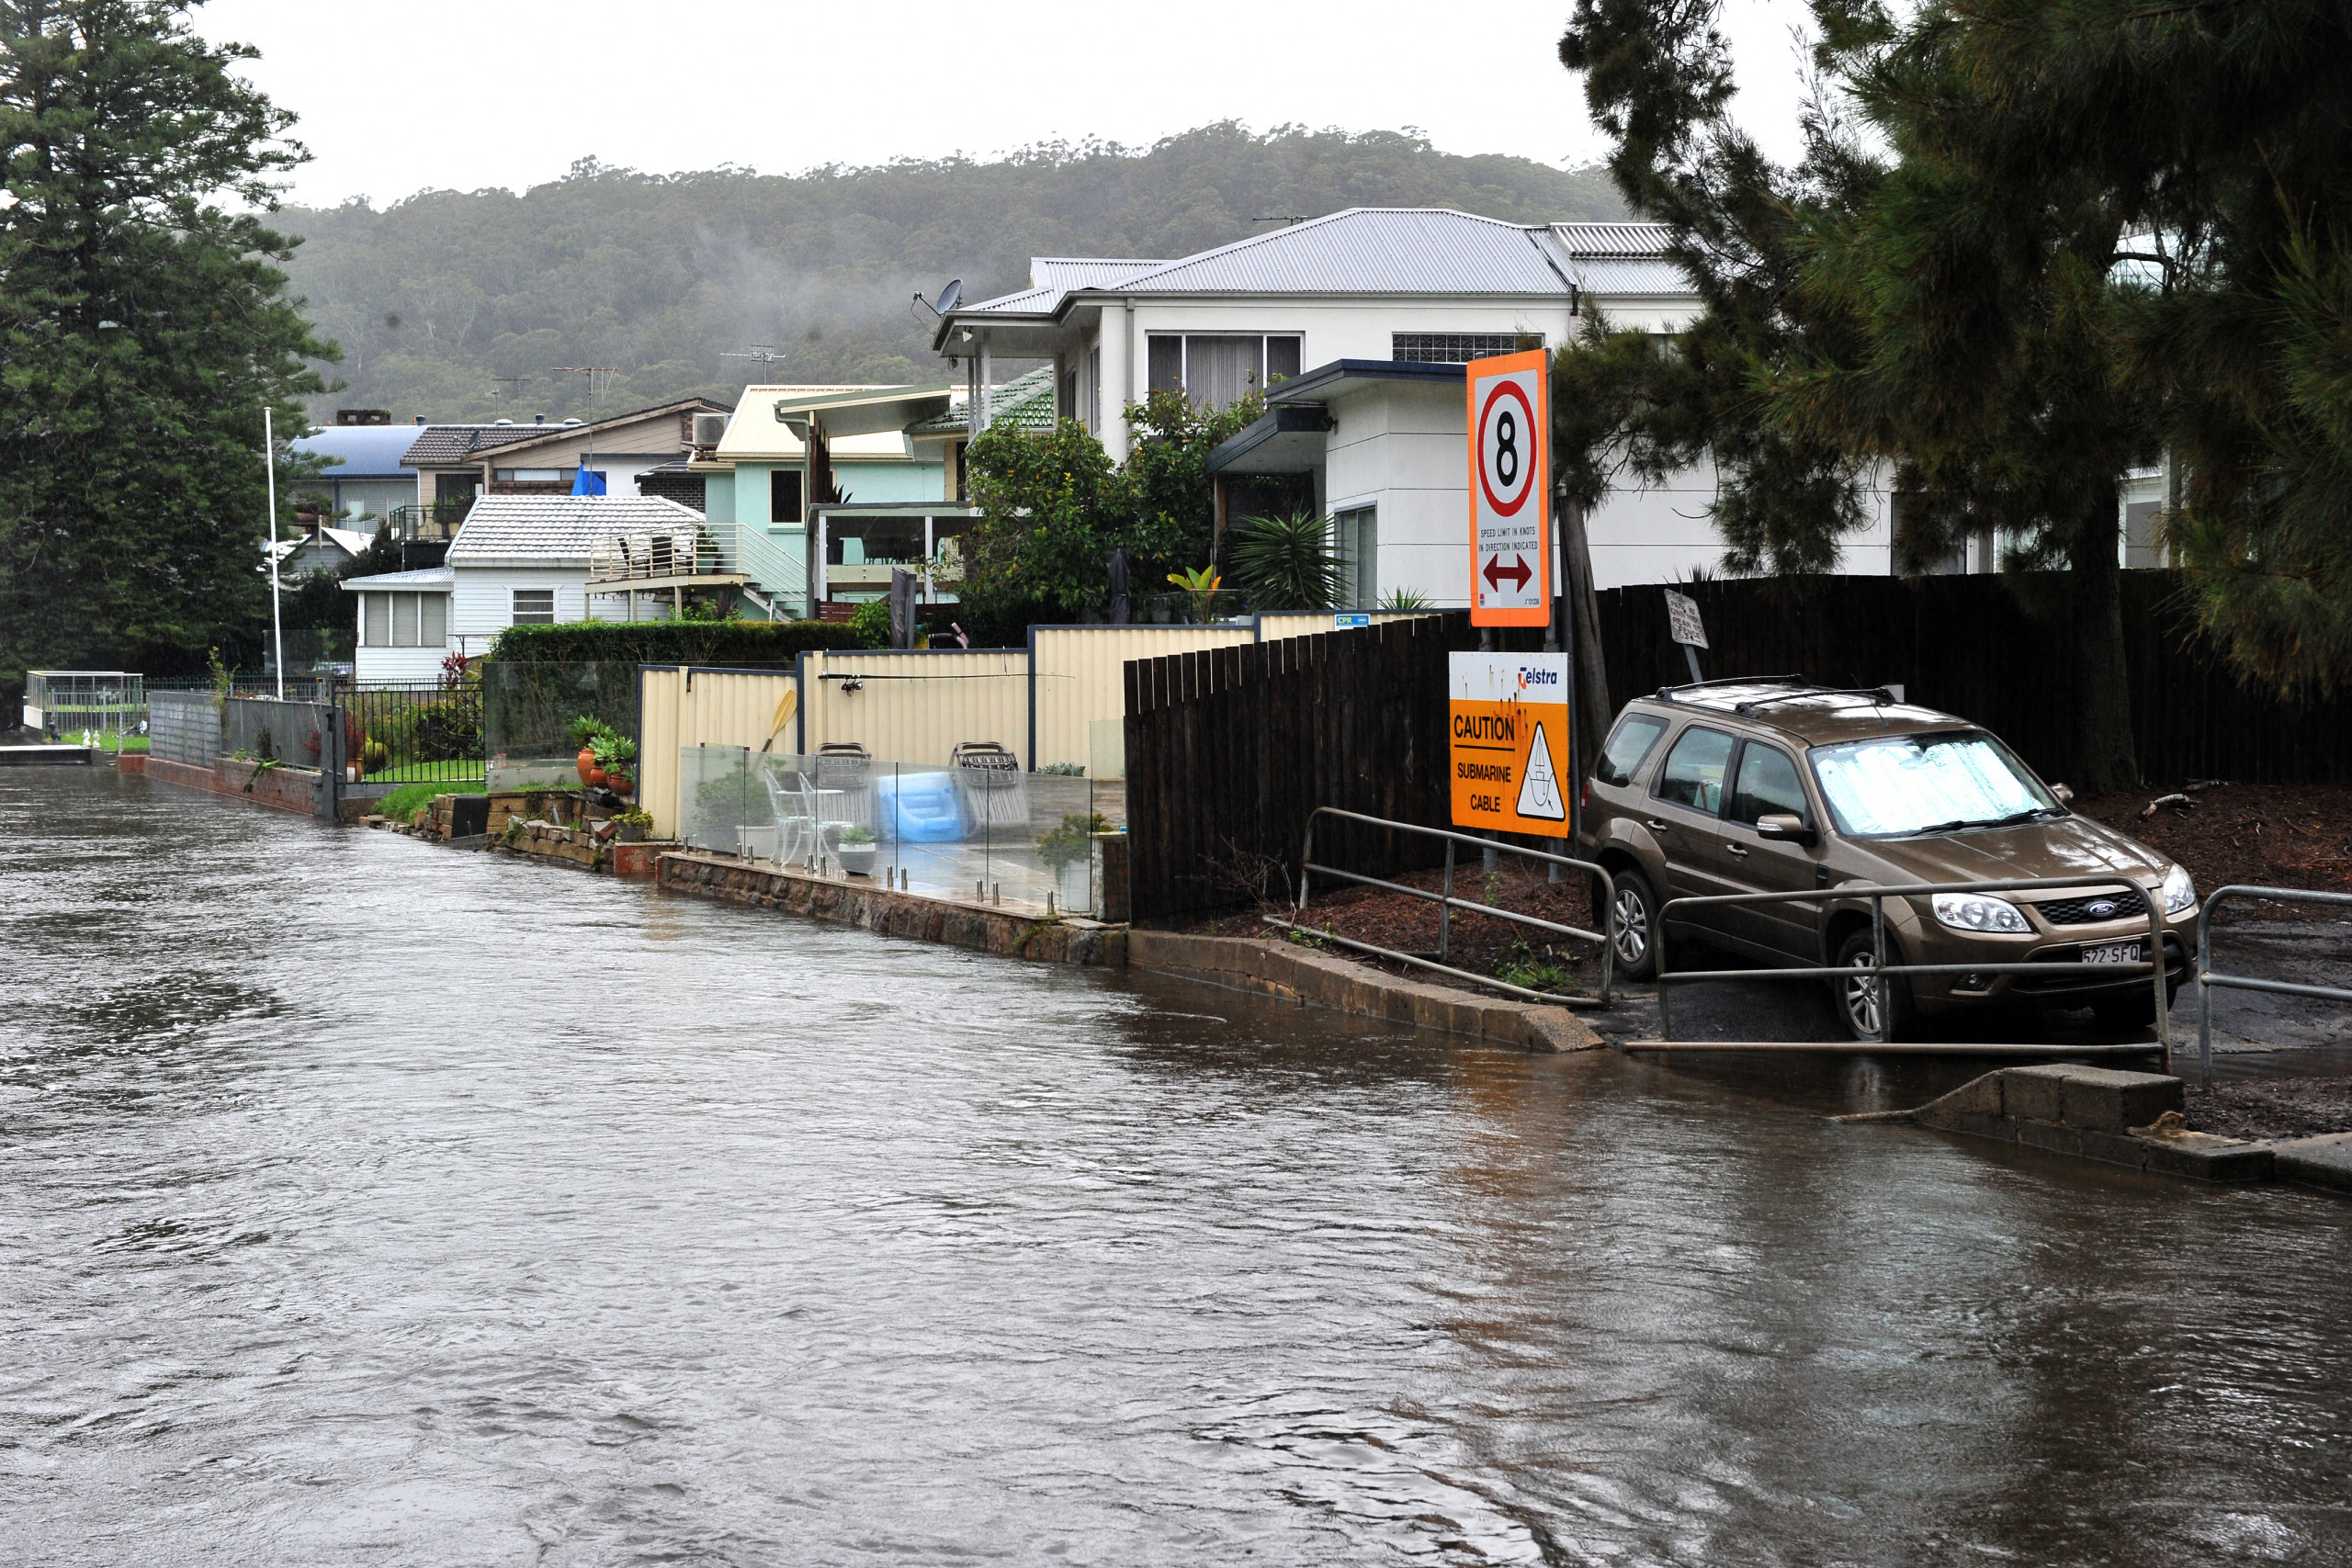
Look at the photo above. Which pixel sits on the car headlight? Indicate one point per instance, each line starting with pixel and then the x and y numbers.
pixel 1974 912
pixel 2178 893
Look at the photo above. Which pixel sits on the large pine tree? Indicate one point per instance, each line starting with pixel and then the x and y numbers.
pixel 143 327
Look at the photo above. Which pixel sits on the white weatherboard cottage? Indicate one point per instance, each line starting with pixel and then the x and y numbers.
pixel 518 560
pixel 1357 325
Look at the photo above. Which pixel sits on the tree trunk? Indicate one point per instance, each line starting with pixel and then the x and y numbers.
pixel 2105 758
pixel 1593 710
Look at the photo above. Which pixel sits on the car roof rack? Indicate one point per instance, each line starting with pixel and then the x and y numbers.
pixel 1880 693
pixel 1665 693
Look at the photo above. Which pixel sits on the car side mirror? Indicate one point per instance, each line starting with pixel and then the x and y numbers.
pixel 1783 825
pixel 2065 797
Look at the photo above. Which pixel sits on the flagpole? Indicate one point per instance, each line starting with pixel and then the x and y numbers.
pixel 277 630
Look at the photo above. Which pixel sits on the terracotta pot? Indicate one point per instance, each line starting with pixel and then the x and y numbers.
pixel 619 784
pixel 587 761
pixel 596 777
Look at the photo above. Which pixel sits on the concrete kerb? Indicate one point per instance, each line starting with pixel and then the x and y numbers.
pixel 1300 975
pixel 2125 1119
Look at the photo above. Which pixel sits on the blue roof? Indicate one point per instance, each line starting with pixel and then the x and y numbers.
pixel 369 451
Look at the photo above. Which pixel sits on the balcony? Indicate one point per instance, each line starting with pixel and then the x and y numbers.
pixel 435 522
pixel 716 555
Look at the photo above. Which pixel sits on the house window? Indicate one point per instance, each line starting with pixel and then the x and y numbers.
pixel 1069 395
pixel 532 476
pixel 784 495
pixel 1218 369
pixel 1094 388
pixel 534 607
pixel 1458 348
pixel 404 620
pixel 1359 545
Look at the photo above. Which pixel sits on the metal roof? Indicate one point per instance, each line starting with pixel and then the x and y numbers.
pixel 1612 275
pixel 369 451
pixel 1084 272
pixel 1612 239
pixel 1369 250
pixel 426 577
pixel 1312 385
pixel 554 530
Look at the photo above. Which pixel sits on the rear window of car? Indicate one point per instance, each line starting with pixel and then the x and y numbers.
pixel 1693 775
pixel 1629 745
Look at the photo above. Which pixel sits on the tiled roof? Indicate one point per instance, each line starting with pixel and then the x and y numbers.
pixel 441 446
pixel 554 530
pixel 1026 401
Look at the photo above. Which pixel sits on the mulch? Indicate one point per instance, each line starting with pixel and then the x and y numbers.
pixel 2275 1108
pixel 1477 944
pixel 2271 835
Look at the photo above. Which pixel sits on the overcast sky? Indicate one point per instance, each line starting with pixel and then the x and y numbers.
pixel 438 94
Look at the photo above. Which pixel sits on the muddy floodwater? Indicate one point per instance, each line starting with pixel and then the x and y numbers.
pixel 362 1201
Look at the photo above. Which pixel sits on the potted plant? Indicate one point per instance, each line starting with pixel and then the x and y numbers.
pixel 613 753
pixel 630 827
pixel 1068 849
pixel 586 731
pixel 855 850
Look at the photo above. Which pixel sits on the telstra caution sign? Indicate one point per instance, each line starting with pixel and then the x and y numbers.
pixel 1506 717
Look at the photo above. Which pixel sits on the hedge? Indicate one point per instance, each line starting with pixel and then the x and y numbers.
pixel 670 642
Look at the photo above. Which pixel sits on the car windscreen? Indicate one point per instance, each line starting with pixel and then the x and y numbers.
pixel 1918 783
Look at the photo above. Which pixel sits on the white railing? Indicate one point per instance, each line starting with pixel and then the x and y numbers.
pixel 770 565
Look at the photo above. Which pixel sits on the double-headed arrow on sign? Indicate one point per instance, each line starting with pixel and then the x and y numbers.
pixel 1516 574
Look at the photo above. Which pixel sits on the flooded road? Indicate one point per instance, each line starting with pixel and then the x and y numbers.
pixel 365 1201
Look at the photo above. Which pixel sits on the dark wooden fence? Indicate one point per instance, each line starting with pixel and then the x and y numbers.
pixel 1228 752
pixel 1997 650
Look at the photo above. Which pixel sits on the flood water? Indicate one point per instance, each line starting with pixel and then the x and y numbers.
pixel 362 1201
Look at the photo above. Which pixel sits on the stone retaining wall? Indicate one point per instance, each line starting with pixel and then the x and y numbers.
pixel 870 907
pixel 1298 973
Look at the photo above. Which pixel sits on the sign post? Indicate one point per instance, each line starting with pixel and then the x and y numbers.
pixel 1683 625
pixel 1506 720
pixel 1510 488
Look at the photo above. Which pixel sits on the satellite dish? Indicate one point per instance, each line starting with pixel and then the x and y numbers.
pixel 950 295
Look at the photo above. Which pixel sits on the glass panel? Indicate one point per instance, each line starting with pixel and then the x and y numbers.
pixel 534 606
pixel 433 631
pixel 1221 371
pixel 377 613
pixel 404 619
pixel 1282 358
pixel 1918 783
pixel 1167 367
pixel 1766 784
pixel 784 495
pixel 529 709
pixel 1695 771
pixel 1628 745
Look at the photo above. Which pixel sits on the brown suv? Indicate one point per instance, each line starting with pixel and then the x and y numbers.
pixel 1779 785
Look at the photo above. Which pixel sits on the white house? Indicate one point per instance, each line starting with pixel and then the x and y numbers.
pixel 1357 324
pixel 518 560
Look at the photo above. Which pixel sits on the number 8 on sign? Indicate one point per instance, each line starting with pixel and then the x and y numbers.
pixel 1510 532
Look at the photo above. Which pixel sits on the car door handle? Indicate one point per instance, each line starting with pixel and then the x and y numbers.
pixel 1734 849
pixel 1658 827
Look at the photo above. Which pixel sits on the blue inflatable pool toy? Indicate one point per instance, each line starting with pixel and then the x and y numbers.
pixel 918 808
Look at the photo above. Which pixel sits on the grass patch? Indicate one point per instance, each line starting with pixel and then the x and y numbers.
pixel 406 801
pixel 104 741
pixel 433 772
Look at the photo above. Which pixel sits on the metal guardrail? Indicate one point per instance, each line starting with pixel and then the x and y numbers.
pixel 2152 965
pixel 2207 980
pixel 1448 903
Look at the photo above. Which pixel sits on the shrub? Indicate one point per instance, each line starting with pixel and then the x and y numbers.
pixel 871 622
pixel 670 642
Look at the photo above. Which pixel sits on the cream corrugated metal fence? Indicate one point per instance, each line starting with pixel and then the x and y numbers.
pixel 918 706
pixel 1082 677
pixel 682 707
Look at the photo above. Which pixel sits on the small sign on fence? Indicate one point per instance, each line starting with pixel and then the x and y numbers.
pixel 1682 620
pixel 1345 620
pixel 1506 717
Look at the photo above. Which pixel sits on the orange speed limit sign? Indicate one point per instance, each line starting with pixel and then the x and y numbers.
pixel 1507 721
pixel 1511 517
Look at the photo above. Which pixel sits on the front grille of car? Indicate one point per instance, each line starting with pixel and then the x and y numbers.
pixel 2093 908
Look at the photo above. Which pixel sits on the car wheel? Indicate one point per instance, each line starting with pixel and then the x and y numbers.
pixel 1872 1006
pixel 1636 937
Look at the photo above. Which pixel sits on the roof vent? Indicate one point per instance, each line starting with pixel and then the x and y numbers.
pixel 570 422
pixel 502 422
pixel 420 419
pixel 538 419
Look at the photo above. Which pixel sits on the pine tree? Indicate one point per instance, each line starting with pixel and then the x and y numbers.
pixel 143 329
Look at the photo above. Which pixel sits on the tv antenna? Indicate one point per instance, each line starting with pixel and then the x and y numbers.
pixel 517 383
pixel 763 352
pixel 949 298
pixel 1285 219
pixel 592 372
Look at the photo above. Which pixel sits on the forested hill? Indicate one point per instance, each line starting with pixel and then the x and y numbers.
pixel 438 299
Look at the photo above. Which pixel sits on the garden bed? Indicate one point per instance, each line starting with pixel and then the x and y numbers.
pixel 2273 1108
pixel 2271 835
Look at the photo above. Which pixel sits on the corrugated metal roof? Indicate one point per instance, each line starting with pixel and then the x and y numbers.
pixel 1369 250
pixel 754 434
pixel 1615 276
pixel 369 451
pixel 554 530
pixel 1084 272
pixel 1612 239
pixel 1039 301
pixel 428 577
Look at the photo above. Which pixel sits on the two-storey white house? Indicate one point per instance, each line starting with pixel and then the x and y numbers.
pixel 1357 325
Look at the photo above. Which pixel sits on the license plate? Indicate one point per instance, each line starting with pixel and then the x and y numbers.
pixel 2112 952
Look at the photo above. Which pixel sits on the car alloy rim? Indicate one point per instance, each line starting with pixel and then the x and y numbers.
pixel 1632 927
pixel 1861 996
